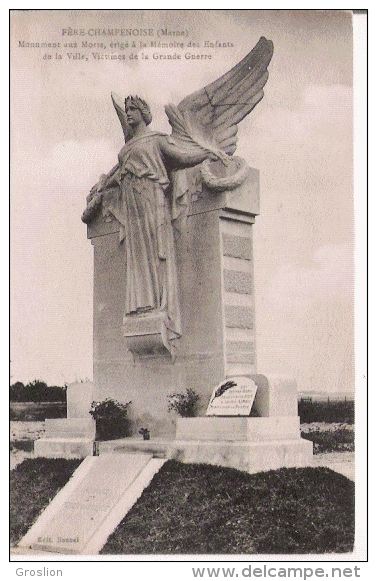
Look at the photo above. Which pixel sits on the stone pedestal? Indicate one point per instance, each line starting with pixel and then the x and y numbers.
pixel 251 457
pixel 214 256
pixel 79 399
pixel 72 437
pixel 276 396
pixel 251 444
pixel 227 429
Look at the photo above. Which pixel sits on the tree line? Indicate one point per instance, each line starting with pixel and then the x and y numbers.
pixel 37 391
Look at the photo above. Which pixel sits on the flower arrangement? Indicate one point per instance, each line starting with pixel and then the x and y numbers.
pixel 145 433
pixel 186 404
pixel 111 419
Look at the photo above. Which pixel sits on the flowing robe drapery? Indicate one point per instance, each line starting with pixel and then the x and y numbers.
pixel 139 196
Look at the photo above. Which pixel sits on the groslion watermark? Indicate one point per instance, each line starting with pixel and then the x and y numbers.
pixel 45 572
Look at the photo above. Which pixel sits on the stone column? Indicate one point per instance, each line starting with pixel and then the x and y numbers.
pixel 216 263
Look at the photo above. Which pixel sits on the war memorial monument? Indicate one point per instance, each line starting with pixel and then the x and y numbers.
pixel 172 231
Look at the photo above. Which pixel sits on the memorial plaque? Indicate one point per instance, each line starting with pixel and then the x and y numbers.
pixel 233 397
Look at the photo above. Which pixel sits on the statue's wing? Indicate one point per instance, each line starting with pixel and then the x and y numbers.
pixel 209 117
pixel 118 104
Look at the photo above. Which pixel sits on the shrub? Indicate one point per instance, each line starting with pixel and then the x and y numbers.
pixel 111 419
pixel 186 404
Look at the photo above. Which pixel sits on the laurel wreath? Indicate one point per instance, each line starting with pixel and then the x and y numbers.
pixel 220 184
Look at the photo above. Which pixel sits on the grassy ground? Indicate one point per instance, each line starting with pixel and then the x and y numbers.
pixel 329 437
pixel 201 509
pixel 33 484
pixel 206 509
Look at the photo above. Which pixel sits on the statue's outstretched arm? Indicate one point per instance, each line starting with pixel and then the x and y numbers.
pixel 178 156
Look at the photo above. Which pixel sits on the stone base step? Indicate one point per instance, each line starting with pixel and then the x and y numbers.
pixel 157 447
pixel 243 454
pixel 249 457
pixel 70 428
pixel 238 429
pixel 63 447
pixel 81 448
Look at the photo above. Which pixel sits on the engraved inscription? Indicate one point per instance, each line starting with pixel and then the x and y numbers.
pixel 237 246
pixel 241 357
pixel 240 317
pixel 233 397
pixel 238 282
pixel 238 346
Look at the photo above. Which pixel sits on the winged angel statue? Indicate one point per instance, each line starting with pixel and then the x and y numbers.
pixel 145 191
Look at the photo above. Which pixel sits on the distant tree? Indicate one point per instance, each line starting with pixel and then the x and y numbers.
pixel 37 383
pixel 17 385
pixel 17 391
pixel 37 391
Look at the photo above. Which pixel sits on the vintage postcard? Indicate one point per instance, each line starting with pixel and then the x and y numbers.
pixel 182 240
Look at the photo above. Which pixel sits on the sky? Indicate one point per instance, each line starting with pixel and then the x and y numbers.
pixel 65 133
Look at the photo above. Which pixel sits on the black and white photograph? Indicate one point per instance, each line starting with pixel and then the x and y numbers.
pixel 184 354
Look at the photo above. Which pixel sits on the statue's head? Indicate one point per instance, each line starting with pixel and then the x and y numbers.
pixel 140 104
